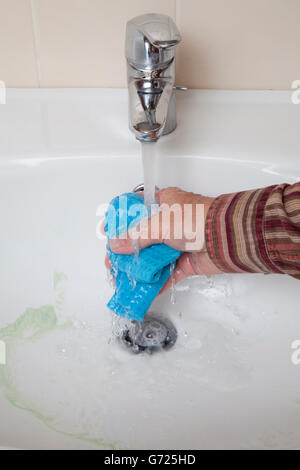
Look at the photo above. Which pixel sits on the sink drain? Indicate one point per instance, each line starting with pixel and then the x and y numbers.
pixel 151 335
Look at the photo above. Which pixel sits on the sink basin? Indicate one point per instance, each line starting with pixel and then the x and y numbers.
pixel 68 383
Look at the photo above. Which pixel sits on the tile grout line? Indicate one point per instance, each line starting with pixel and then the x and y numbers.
pixel 177 7
pixel 36 45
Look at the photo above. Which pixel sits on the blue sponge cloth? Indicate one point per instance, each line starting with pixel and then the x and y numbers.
pixel 140 278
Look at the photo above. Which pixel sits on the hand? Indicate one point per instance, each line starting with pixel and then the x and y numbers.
pixel 166 227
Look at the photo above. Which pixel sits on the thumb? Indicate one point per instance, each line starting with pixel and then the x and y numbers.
pixel 146 233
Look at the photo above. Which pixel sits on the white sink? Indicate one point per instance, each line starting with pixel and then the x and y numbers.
pixel 229 381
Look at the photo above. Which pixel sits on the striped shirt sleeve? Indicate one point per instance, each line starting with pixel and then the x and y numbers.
pixel 256 231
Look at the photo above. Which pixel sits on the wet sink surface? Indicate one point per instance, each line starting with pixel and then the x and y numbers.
pixel 228 382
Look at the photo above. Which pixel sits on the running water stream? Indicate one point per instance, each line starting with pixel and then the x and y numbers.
pixel 149 157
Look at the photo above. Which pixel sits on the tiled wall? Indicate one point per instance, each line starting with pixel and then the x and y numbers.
pixel 227 44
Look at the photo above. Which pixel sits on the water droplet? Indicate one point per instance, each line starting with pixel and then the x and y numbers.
pixel 136 248
pixel 173 290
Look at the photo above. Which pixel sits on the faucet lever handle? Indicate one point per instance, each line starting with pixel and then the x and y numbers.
pixel 149 33
pixel 160 30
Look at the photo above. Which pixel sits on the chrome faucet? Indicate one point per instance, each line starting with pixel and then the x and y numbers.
pixel 150 48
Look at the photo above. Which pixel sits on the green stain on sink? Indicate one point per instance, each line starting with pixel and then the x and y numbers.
pixel 60 291
pixel 33 324
pixel 57 277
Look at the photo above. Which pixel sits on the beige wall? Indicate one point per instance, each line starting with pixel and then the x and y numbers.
pixel 245 44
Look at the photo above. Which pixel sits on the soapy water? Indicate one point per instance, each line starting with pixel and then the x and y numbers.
pixel 79 380
pixel 88 374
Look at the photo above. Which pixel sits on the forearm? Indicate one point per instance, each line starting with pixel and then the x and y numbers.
pixel 256 231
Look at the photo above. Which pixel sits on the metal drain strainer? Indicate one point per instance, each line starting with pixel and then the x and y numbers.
pixel 153 334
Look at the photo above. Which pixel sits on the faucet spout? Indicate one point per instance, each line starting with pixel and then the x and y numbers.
pixel 150 47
